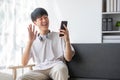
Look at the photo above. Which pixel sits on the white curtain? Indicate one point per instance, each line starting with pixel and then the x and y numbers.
pixel 14 20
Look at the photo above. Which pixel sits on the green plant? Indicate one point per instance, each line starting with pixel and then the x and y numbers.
pixel 118 24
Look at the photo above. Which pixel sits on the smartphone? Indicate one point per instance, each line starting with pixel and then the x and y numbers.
pixel 62 27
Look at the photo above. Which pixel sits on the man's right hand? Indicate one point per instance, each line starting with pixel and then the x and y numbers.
pixel 32 33
pixel 32 36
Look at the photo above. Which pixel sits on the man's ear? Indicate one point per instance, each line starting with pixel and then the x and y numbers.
pixel 34 22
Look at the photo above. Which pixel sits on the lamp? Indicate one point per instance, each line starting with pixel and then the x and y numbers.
pixel 118 25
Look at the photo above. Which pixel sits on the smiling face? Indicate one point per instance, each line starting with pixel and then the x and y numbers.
pixel 40 18
pixel 42 23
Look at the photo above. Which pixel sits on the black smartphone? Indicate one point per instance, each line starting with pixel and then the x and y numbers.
pixel 62 27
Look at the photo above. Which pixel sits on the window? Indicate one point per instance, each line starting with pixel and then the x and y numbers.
pixel 14 20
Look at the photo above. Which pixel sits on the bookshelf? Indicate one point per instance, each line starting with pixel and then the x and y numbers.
pixel 104 32
pixel 110 15
pixel 107 13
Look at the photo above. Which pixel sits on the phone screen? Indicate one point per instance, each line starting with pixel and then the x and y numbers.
pixel 62 27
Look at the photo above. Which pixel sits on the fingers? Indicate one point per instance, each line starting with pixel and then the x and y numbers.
pixel 62 31
pixel 35 33
pixel 31 28
pixel 65 31
pixel 65 27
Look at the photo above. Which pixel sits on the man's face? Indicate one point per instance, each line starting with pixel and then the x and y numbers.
pixel 42 22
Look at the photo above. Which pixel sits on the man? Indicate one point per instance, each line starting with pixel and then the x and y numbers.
pixel 48 50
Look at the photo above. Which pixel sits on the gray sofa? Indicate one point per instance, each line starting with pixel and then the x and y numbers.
pixel 95 61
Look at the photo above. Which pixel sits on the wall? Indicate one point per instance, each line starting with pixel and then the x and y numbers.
pixel 83 16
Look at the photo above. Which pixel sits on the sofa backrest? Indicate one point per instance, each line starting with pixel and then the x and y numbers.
pixel 95 60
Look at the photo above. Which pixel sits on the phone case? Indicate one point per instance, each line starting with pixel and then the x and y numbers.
pixel 62 27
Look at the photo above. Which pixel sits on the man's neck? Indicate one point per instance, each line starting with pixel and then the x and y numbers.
pixel 44 32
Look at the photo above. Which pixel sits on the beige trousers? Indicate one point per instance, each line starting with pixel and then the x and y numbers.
pixel 58 72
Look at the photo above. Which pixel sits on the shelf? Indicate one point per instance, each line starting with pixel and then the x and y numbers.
pixel 110 31
pixel 110 16
pixel 110 13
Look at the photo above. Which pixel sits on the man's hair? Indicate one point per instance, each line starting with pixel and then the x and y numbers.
pixel 38 12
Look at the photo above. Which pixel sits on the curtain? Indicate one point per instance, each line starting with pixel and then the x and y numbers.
pixel 14 20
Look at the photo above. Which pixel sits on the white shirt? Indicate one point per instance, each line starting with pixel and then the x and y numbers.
pixel 49 51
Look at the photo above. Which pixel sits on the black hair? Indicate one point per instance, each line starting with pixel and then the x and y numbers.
pixel 38 12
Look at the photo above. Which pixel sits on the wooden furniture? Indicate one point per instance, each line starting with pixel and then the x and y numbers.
pixel 110 15
pixel 14 69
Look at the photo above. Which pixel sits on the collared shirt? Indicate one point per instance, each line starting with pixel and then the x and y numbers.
pixel 48 51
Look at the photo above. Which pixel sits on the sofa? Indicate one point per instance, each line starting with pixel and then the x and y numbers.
pixel 92 61
pixel 95 61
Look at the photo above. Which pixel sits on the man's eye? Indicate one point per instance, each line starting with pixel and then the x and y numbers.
pixel 46 17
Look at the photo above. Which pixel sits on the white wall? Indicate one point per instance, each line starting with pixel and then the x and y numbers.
pixel 83 16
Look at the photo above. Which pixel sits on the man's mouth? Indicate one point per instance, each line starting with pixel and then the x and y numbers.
pixel 44 24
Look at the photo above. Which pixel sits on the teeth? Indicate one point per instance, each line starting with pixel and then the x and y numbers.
pixel 44 24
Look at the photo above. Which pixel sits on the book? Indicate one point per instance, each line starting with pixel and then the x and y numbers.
pixel 111 37
pixel 111 41
pixel 108 6
pixel 110 24
pixel 111 5
pixel 104 6
pixel 104 24
pixel 118 5
pixel 115 6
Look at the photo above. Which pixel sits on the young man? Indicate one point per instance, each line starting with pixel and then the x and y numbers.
pixel 48 50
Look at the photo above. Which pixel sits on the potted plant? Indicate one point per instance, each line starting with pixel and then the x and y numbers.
pixel 118 25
